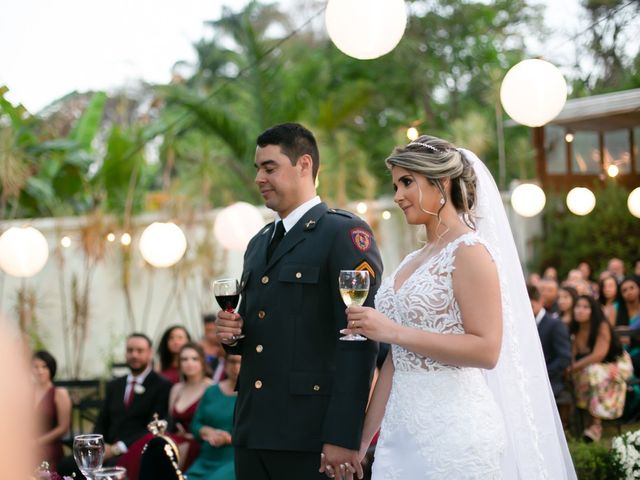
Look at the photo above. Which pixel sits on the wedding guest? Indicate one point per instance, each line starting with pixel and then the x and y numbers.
pixel 129 404
pixel 212 426
pixel 609 298
pixel 629 308
pixel 567 297
pixel 213 350
pixel 173 339
pixel 598 376
pixel 616 268
pixel 184 399
pixel 53 408
pixel 549 294
pixel 550 273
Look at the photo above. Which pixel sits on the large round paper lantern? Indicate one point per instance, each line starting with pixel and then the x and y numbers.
pixel 581 200
pixel 236 224
pixel 633 202
pixel 23 251
pixel 533 92
pixel 162 244
pixel 528 199
pixel 366 29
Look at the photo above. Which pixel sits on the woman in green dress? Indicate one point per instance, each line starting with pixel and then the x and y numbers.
pixel 212 426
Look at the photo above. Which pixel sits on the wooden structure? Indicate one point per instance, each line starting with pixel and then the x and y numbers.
pixel 590 137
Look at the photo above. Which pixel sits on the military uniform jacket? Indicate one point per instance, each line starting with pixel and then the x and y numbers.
pixel 299 385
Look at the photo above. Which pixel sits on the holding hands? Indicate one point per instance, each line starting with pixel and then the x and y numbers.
pixel 370 323
pixel 340 463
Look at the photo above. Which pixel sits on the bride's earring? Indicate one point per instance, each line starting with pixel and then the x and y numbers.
pixel 442 200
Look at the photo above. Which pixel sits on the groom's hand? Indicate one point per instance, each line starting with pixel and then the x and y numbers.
pixel 341 463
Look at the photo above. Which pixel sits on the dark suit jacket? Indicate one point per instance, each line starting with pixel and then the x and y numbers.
pixel 116 422
pixel 556 345
pixel 299 385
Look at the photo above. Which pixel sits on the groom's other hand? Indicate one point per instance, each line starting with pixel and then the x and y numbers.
pixel 341 463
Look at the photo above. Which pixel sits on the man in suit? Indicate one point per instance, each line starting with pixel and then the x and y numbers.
pixel 130 401
pixel 554 338
pixel 129 404
pixel 301 390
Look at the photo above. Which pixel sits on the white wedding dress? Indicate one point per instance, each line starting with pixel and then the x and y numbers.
pixel 446 422
pixel 441 421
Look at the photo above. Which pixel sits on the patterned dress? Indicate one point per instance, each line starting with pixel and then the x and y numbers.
pixel 441 421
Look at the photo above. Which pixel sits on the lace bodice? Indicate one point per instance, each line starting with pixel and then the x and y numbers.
pixel 425 301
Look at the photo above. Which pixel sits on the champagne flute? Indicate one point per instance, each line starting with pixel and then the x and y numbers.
pixel 227 293
pixel 111 473
pixel 88 452
pixel 354 289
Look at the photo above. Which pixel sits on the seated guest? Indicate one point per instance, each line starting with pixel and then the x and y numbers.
pixel 212 426
pixel 567 297
pixel 556 346
pixel 53 408
pixel 600 367
pixel 183 402
pixel 549 294
pixel 609 298
pixel 129 404
pixel 212 349
pixel 173 339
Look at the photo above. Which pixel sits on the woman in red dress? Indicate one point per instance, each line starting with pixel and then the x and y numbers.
pixel 53 408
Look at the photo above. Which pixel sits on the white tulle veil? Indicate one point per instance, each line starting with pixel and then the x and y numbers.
pixel 536 445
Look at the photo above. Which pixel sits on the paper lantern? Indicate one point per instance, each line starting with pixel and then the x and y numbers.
pixel 366 29
pixel 581 200
pixel 23 251
pixel 236 224
pixel 528 199
pixel 162 244
pixel 633 202
pixel 533 92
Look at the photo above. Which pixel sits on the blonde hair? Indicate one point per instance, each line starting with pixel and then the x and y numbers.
pixel 436 159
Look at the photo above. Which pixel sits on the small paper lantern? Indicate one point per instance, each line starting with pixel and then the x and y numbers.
pixel 633 202
pixel 528 199
pixel 533 92
pixel 581 200
pixel 162 244
pixel 23 251
pixel 236 224
pixel 366 29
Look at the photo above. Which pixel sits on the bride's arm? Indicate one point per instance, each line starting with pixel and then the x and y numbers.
pixel 375 411
pixel 477 289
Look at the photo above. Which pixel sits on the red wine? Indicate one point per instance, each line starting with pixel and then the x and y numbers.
pixel 228 302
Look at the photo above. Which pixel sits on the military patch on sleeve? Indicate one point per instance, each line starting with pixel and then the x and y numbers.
pixel 365 266
pixel 361 239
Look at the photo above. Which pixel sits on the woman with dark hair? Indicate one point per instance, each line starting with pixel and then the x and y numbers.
pixel 173 339
pixel 609 298
pixel 600 367
pixel 629 309
pixel 567 296
pixel 53 408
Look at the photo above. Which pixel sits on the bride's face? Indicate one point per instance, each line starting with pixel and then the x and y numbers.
pixel 414 194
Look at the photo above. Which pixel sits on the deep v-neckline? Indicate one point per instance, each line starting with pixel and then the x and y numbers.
pixel 422 265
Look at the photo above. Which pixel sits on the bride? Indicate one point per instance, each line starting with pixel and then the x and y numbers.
pixel 464 393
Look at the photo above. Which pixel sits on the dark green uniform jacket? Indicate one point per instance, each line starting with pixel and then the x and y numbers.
pixel 299 385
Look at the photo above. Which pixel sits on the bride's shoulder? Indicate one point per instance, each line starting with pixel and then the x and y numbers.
pixel 470 246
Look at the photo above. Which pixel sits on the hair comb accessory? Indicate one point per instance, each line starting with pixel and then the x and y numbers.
pixel 426 145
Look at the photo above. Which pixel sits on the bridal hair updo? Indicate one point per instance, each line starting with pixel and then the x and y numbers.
pixel 436 160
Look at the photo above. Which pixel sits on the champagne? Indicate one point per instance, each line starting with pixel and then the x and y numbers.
pixel 354 296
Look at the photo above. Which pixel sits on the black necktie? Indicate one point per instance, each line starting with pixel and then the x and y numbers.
pixel 277 238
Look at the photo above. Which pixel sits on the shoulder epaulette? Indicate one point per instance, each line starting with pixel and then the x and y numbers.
pixel 339 211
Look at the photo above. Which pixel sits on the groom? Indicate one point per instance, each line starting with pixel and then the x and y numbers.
pixel 301 390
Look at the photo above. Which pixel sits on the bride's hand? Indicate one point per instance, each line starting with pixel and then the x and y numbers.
pixel 370 323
